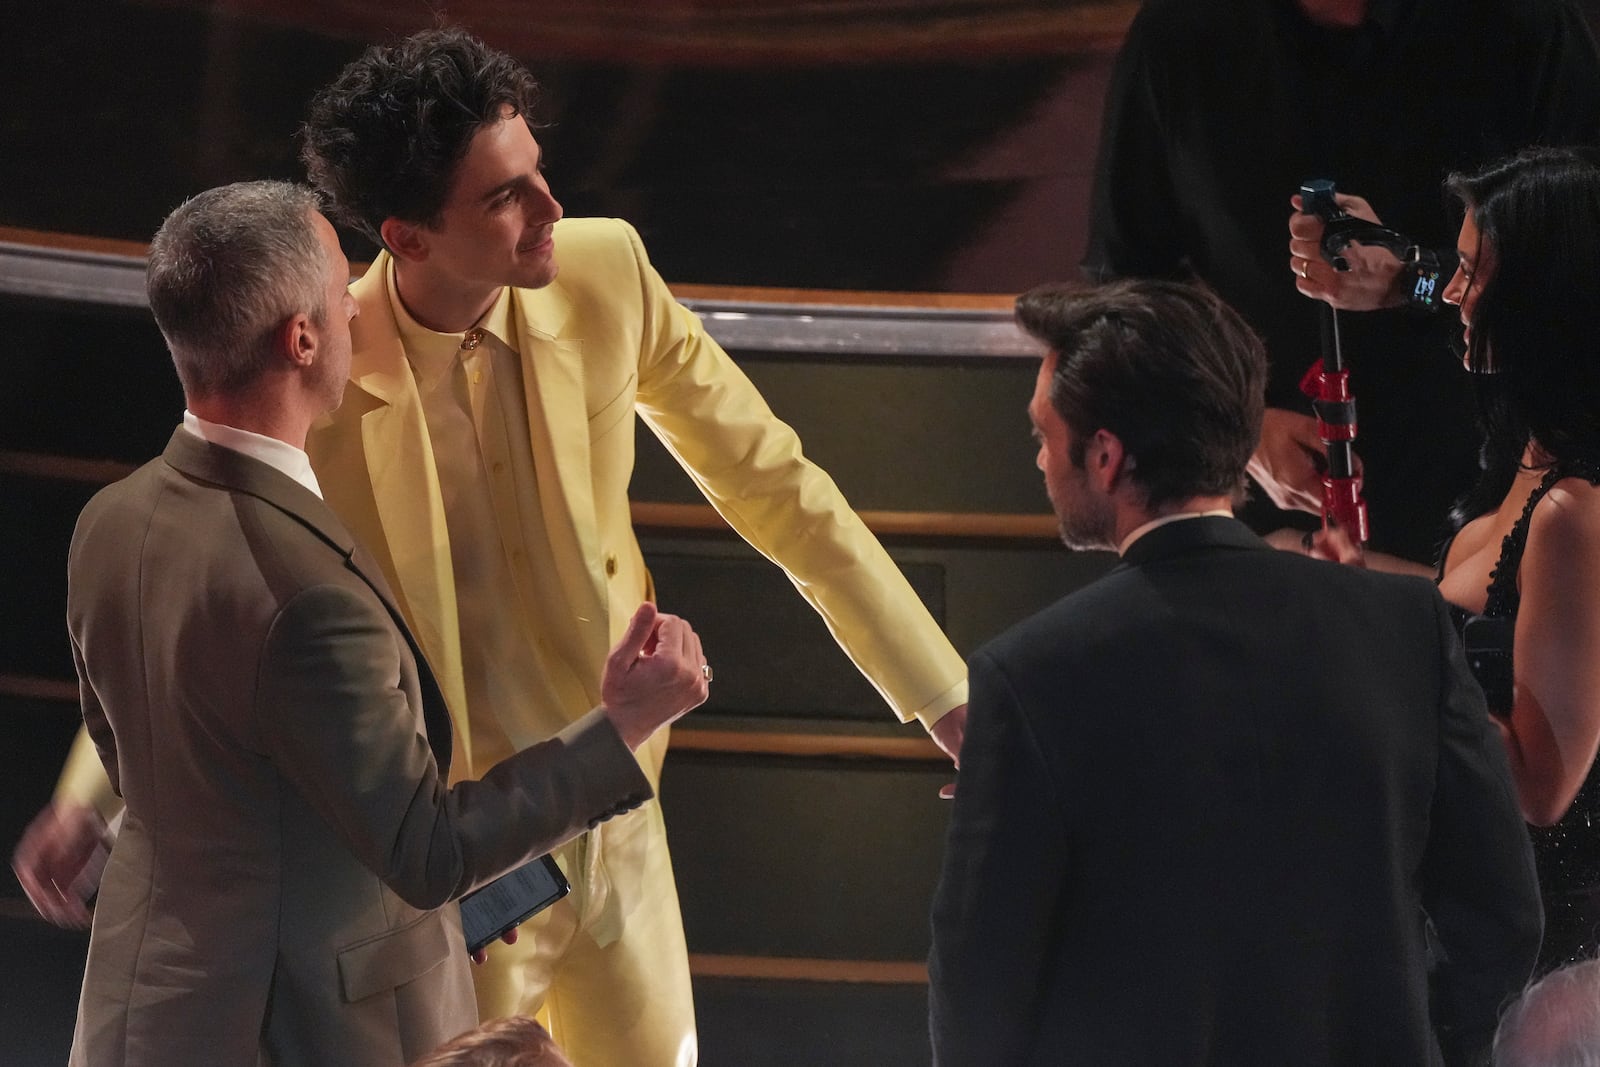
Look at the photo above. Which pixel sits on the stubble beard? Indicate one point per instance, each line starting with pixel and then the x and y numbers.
pixel 1086 527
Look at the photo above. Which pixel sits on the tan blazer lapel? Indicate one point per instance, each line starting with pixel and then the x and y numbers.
pixel 242 474
pixel 559 426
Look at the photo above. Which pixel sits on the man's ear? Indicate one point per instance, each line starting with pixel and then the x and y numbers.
pixel 295 341
pixel 1106 461
pixel 404 239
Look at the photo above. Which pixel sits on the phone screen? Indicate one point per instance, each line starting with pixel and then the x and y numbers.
pixel 513 898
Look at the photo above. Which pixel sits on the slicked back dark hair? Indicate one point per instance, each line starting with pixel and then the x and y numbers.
pixel 385 138
pixel 1168 367
pixel 1536 325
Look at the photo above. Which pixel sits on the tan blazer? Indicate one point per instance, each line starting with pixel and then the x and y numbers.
pixel 604 342
pixel 278 891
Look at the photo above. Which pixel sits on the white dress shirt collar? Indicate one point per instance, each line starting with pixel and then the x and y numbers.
pixel 279 455
pixel 1179 516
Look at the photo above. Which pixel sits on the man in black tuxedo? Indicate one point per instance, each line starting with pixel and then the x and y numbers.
pixel 1209 804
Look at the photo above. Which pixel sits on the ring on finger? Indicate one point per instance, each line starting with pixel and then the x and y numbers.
pixel 705 669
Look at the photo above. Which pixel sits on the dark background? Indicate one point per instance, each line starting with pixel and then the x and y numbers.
pixel 962 172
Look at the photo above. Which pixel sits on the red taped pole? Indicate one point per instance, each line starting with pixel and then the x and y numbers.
pixel 1335 409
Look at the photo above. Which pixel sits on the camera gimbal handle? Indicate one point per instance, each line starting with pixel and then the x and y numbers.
pixel 1342 229
pixel 1327 383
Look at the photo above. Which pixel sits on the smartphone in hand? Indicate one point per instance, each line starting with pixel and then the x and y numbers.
pixel 510 900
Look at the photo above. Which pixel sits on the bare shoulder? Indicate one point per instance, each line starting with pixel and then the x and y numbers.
pixel 1564 531
pixel 1569 514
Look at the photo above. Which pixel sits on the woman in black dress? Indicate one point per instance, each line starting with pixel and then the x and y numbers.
pixel 1522 570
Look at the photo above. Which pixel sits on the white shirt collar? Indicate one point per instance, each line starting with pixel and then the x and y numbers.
pixel 433 354
pixel 1178 516
pixel 279 455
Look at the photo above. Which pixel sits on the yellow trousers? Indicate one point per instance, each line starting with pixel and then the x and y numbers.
pixel 608 1000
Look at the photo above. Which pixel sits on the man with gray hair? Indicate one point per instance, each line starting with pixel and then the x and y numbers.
pixel 1556 1023
pixel 278 890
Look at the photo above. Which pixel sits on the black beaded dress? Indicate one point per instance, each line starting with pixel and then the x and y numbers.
pixel 1567 854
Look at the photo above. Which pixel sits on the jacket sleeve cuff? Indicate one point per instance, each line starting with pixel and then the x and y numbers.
pixel 942 705
pixel 616 782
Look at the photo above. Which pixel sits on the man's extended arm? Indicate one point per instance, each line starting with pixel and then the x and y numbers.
pixel 749 464
pixel 431 844
pixel 336 726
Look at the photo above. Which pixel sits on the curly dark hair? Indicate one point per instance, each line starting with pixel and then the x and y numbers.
pixel 1168 367
pixel 384 139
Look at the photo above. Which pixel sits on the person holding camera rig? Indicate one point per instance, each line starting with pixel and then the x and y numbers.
pixel 1215 115
pixel 1522 570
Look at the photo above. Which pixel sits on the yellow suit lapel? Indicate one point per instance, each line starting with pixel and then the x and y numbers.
pixel 405 489
pixel 559 426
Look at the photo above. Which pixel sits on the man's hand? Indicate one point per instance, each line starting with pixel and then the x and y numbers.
pixel 654 674
pixel 1288 462
pixel 1333 545
pixel 59 860
pixel 482 955
pixel 947 734
pixel 1336 546
pixel 1373 280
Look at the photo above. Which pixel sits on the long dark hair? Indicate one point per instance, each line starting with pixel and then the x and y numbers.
pixel 1536 327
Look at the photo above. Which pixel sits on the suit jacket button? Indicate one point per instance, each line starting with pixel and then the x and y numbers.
pixel 611 565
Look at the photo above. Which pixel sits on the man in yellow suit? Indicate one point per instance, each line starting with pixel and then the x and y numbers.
pixel 483 454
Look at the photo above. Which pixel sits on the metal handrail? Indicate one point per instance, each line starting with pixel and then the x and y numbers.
pixel 841 331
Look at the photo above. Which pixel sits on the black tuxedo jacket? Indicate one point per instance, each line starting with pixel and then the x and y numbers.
pixel 1207 805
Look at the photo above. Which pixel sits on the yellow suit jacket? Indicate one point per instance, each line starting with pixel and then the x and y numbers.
pixel 604 342
pixel 607 340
